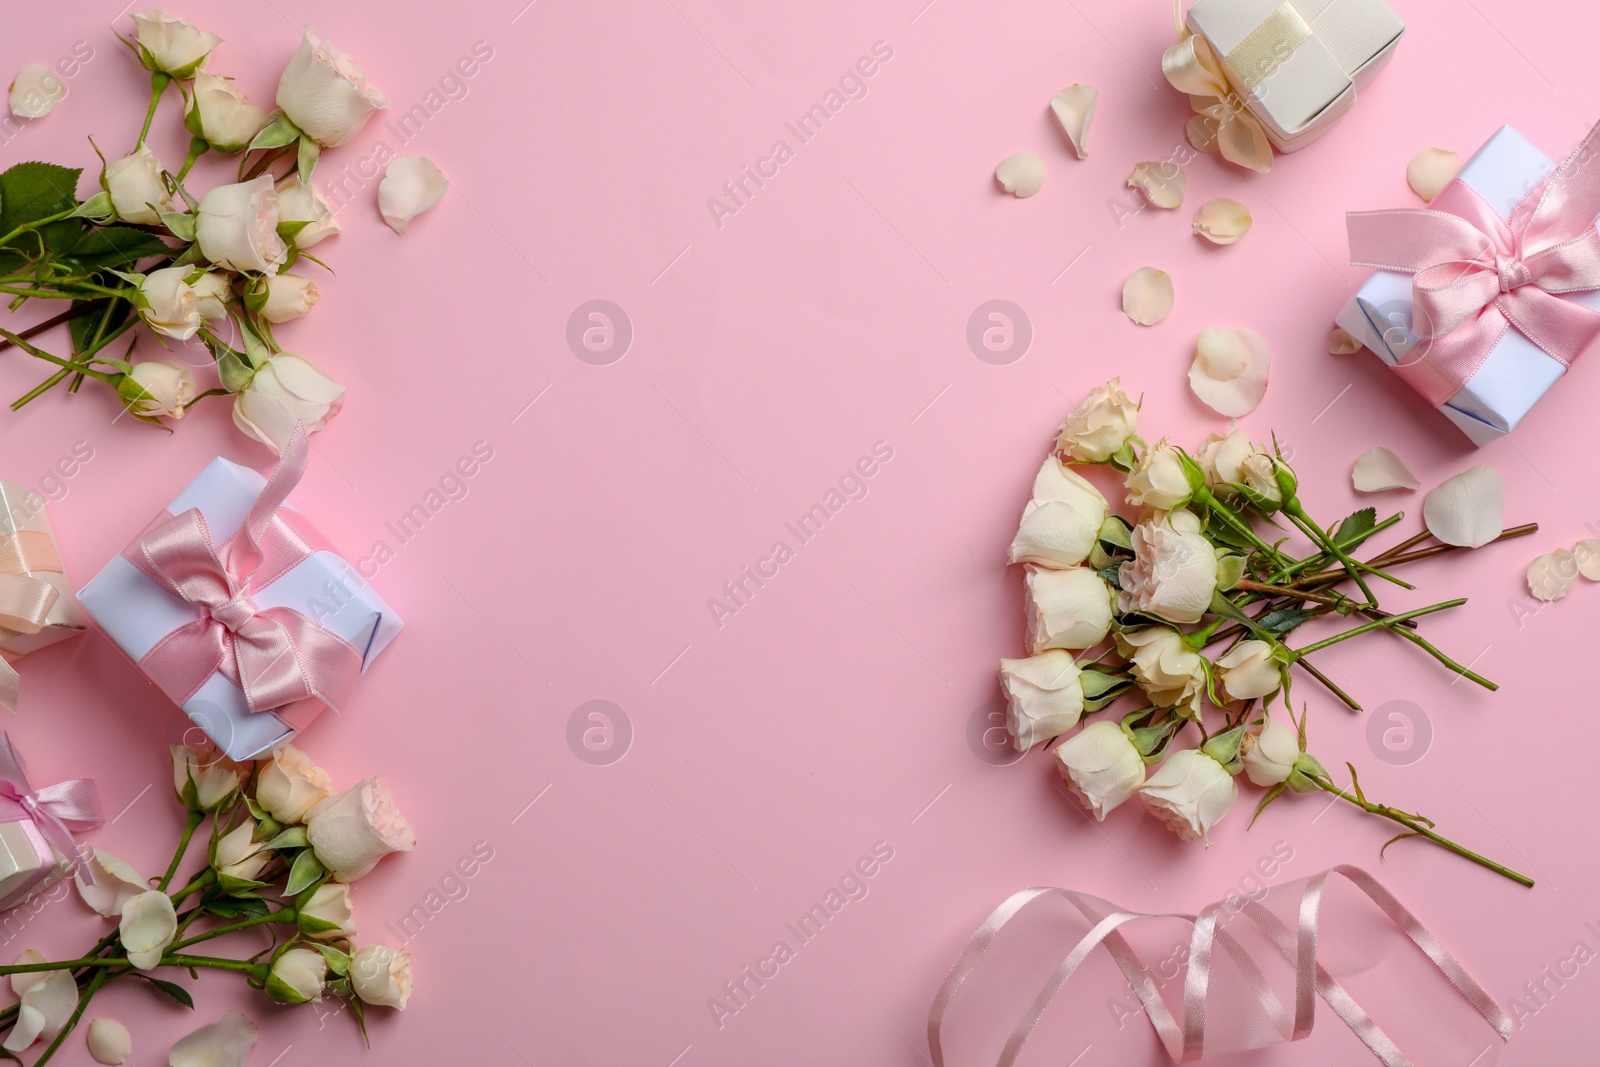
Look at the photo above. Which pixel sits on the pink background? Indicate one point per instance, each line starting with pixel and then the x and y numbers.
pixel 769 353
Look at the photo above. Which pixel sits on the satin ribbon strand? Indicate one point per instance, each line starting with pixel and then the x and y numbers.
pixel 58 811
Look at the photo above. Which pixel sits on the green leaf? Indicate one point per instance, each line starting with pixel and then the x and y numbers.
pixel 307 161
pixel 238 908
pixel 277 134
pixel 1284 620
pixel 171 989
pixel 32 191
pixel 290 230
pixel 112 248
pixel 307 869
pixel 1355 526
pixel 1112 574
pixel 85 326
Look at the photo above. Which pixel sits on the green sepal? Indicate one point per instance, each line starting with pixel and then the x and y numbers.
pixel 338 960
pixel 97 207
pixel 293 837
pixel 1224 747
pixel 1230 569
pixel 278 133
pixel 180 224
pixel 307 869
pixel 1272 794
pixel 1123 458
pixel 306 162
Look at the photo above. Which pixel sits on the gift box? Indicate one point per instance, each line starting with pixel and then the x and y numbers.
pixel 1504 183
pixel 233 604
pixel 37 607
pixel 37 827
pixel 1296 66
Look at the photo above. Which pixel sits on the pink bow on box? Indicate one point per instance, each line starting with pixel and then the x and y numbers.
pixel 281 660
pixel 57 811
pixel 1478 274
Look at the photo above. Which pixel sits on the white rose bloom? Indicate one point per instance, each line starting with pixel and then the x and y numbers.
pixel 1190 793
pixel 328 914
pixel 1248 671
pixel 287 391
pixel 1062 519
pixel 48 999
pixel 226 1041
pixel 1259 472
pixel 305 203
pixel 1270 756
pixel 1171 673
pixel 1158 481
pixel 168 304
pixel 176 46
pixel 115 882
pixel 213 289
pixel 1100 766
pixel 297 976
pixel 288 297
pixel 351 833
pixel 221 114
pixel 1044 697
pixel 1066 608
pixel 134 185
pixel 1100 425
pixel 237 855
pixel 204 781
pixel 169 385
pixel 326 93
pixel 1222 458
pixel 1173 573
pixel 290 785
pixel 381 975
pixel 237 226
pixel 148 926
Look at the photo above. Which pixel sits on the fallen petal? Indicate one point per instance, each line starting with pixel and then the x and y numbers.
pixel 1160 183
pixel 1379 469
pixel 1430 170
pixel 1222 221
pixel 115 883
pixel 1230 369
pixel 1340 343
pixel 109 1042
pixel 223 1042
pixel 1552 575
pixel 410 186
pixel 1147 296
pixel 35 92
pixel 1021 174
pixel 1074 110
pixel 1587 555
pixel 1467 510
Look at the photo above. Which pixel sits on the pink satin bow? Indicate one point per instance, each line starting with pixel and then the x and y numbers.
pixel 279 657
pixel 1478 273
pixel 58 811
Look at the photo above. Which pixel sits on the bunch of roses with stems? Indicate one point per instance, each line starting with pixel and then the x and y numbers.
pixel 282 849
pixel 1191 610
pixel 148 250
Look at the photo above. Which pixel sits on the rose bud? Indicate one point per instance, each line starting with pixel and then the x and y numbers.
pixel 1061 520
pixel 1066 608
pixel 1190 793
pixel 1044 697
pixel 1100 766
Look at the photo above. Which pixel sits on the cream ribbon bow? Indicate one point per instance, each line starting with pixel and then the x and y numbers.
pixel 1221 122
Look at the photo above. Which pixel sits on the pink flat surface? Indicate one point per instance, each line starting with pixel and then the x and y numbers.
pixel 768 354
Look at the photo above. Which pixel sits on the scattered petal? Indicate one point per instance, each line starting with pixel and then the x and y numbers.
pixel 1160 183
pixel 1587 555
pixel 115 882
pixel 109 1042
pixel 1222 221
pixel 1379 469
pixel 1021 174
pixel 410 186
pixel 1467 510
pixel 1340 343
pixel 1074 109
pixel 48 999
pixel 1552 575
pixel 1430 170
pixel 1230 369
pixel 35 92
pixel 223 1042
pixel 1147 296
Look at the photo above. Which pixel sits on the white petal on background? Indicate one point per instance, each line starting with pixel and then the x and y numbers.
pixel 1587 555
pixel 1430 170
pixel 1379 469
pixel 1552 575
pixel 1340 343
pixel 1021 174
pixel 223 1042
pixel 1160 183
pixel 1230 369
pixel 115 883
pixel 109 1042
pixel 1222 221
pixel 1074 110
pixel 1147 296
pixel 1467 510
pixel 410 186
pixel 35 92
pixel 48 1000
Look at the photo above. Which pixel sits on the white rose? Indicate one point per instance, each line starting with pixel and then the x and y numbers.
pixel 1190 793
pixel 205 781
pixel 305 203
pixel 297 975
pixel 175 46
pixel 213 290
pixel 1222 457
pixel 381 975
pixel 1062 519
pixel 222 115
pixel 1270 756
pixel 1100 766
pixel 1171 673
pixel 168 304
pixel 290 785
pixel 288 297
pixel 326 93
pixel 327 914
pixel 1100 425
pixel 137 193
pixel 1158 480
pixel 1259 472
pixel 148 926
pixel 1173 573
pixel 236 855
pixel 1066 609
pixel 1044 697
pixel 351 833
pixel 1249 670
pixel 237 226
pixel 287 391
pixel 226 1041
pixel 115 882
pixel 48 999
pixel 169 388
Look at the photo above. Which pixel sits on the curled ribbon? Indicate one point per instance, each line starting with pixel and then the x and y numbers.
pixel 1221 123
pixel 28 603
pixel 1248 983
pixel 58 811
pixel 279 657
pixel 1476 273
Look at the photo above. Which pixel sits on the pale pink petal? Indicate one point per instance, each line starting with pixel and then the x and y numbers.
pixel 1379 469
pixel 1467 510
pixel 1230 369
pixel 1147 296
pixel 1552 575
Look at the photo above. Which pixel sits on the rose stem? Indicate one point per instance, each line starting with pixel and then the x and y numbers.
pixel 1325 680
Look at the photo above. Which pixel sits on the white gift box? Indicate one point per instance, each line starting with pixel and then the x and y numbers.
pixel 136 612
pixel 1517 372
pixel 1298 64
pixel 22 516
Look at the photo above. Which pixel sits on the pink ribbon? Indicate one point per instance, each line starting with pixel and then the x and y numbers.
pixel 1478 273
pixel 282 660
pixel 57 811
pixel 1247 984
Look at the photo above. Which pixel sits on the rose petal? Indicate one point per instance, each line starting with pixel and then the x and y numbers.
pixel 1021 174
pixel 1467 510
pixel 109 1042
pixel 1074 110
pixel 1230 369
pixel 1340 343
pixel 1587 555
pixel 1160 183
pixel 1147 296
pixel 115 883
pixel 1379 469
pixel 1552 575
pixel 410 186
pixel 223 1042
pixel 1222 221
pixel 35 92
pixel 1430 170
